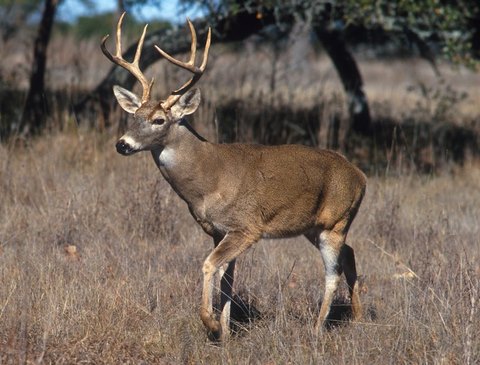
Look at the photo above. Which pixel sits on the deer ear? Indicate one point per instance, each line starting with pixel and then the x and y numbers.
pixel 187 104
pixel 127 100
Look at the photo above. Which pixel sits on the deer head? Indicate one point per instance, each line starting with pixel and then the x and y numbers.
pixel 152 120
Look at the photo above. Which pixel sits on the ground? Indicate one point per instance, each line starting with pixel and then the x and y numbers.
pixel 100 262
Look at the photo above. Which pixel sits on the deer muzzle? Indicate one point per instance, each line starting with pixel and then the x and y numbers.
pixel 124 148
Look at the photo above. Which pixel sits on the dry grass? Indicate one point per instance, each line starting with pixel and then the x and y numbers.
pixel 302 76
pixel 129 291
pixel 100 261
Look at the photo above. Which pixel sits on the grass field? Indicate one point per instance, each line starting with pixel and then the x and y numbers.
pixel 100 262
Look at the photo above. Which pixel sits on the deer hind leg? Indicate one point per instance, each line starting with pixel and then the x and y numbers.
pixel 330 245
pixel 350 270
pixel 232 245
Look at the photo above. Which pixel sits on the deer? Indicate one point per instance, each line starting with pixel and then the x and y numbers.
pixel 241 193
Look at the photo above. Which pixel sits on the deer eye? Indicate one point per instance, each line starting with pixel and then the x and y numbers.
pixel 158 121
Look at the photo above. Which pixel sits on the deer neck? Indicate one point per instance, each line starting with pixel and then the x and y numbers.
pixel 182 162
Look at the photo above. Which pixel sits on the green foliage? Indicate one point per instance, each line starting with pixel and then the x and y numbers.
pixel 451 24
pixel 130 4
pixel 96 26
pixel 448 22
pixel 24 4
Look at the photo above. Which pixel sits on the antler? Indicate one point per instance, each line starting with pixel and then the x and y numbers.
pixel 132 67
pixel 190 66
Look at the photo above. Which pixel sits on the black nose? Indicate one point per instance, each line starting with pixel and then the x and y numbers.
pixel 123 148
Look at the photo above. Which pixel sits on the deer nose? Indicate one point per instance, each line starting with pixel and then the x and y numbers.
pixel 123 148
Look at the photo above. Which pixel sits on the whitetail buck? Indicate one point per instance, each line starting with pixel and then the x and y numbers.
pixel 240 193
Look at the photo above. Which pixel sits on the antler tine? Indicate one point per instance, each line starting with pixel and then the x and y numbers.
pixel 118 41
pixel 132 67
pixel 193 47
pixel 189 66
pixel 207 49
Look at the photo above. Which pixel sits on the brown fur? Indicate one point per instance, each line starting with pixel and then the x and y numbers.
pixel 239 193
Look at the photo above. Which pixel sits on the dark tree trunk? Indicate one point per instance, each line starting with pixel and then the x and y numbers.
pixel 351 79
pixel 34 112
pixel 232 28
pixel 120 6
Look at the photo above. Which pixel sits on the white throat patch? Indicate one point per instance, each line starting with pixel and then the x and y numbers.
pixel 167 157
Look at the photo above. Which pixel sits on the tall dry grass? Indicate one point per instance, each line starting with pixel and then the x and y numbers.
pixel 101 263
pixel 301 75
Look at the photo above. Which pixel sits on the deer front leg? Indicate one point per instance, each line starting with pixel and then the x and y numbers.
pixel 232 245
pixel 226 292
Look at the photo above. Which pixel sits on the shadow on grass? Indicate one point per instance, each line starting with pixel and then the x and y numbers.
pixel 341 313
pixel 243 313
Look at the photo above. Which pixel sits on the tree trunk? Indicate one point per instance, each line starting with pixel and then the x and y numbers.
pixel 351 79
pixel 34 112
pixel 231 28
